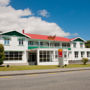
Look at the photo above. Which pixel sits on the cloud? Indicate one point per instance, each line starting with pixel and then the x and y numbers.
pixel 11 19
pixel 43 13
pixel 39 26
pixel 4 2
pixel 75 34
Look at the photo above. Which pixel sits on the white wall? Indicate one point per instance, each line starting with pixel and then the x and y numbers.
pixel 14 46
pixel 55 60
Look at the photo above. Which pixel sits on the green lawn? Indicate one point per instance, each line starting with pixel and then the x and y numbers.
pixel 27 67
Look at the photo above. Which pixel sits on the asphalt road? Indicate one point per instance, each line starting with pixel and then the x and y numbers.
pixel 77 80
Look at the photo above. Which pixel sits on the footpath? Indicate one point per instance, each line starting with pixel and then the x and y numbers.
pixel 26 72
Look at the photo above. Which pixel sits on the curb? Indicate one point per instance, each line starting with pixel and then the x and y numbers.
pixel 56 71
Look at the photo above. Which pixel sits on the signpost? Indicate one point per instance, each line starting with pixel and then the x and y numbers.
pixel 60 57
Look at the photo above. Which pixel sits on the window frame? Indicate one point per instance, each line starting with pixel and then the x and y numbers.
pixel 46 56
pixel 82 53
pixel 74 45
pixel 81 45
pixel 6 41
pixel 21 42
pixel 13 55
pixel 76 56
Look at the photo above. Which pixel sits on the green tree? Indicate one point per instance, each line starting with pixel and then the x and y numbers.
pixel 2 55
pixel 87 44
pixel 84 60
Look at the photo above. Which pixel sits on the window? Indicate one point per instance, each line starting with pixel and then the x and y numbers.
pixel 65 54
pixel 81 45
pixel 46 56
pixel 46 43
pixel 56 54
pixel 64 45
pixel 13 55
pixel 41 43
pixel 82 54
pixel 36 43
pixel 33 43
pixel 30 42
pixel 57 44
pixel 69 53
pixel 76 54
pixel 52 44
pixel 68 44
pixel 6 41
pixel 74 45
pixel 20 41
pixel 88 54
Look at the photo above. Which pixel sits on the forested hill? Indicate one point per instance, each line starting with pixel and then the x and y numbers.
pixel 87 44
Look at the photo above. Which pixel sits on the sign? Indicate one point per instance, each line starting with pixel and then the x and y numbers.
pixel 51 37
pixel 69 48
pixel 60 52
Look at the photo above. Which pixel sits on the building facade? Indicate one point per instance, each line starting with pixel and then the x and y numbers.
pixel 33 49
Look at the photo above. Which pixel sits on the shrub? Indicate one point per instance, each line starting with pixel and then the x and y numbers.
pixel 84 60
pixel 2 55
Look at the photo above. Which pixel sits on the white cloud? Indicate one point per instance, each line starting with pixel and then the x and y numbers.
pixel 38 26
pixel 43 13
pixel 75 34
pixel 4 2
pixel 11 19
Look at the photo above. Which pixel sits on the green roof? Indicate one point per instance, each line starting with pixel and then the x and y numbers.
pixel 13 33
pixel 79 39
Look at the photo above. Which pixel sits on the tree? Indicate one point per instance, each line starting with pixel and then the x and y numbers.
pixel 87 44
pixel 84 60
pixel 2 55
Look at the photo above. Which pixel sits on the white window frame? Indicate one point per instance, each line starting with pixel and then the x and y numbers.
pixel 6 41
pixel 76 55
pixel 74 45
pixel 21 42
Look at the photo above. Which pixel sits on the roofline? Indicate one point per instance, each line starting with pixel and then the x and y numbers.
pixel 16 31
pixel 77 38
pixel 51 40
pixel 39 34
pixel 49 35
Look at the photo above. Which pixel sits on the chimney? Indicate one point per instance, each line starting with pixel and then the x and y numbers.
pixel 23 31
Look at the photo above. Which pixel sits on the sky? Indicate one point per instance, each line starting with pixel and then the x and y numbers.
pixel 67 18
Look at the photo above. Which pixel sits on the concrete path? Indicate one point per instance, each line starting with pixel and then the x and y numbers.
pixel 26 72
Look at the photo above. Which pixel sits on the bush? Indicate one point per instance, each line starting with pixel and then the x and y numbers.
pixel 84 60
pixel 2 55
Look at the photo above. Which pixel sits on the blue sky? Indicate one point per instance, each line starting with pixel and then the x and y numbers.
pixel 72 16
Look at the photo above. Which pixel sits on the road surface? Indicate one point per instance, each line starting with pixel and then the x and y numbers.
pixel 76 80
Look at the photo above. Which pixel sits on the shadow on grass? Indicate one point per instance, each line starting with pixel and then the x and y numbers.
pixel 2 66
